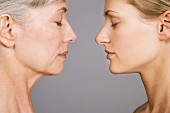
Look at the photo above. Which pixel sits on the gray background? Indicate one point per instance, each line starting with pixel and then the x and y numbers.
pixel 86 85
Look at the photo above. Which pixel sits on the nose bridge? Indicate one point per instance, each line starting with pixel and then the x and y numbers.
pixel 70 35
pixel 103 36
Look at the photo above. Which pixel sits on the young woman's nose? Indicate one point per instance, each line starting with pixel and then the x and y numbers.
pixel 102 37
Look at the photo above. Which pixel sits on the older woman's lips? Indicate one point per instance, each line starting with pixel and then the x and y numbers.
pixel 63 55
pixel 109 54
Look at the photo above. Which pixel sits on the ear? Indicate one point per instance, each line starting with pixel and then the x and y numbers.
pixel 6 37
pixel 164 26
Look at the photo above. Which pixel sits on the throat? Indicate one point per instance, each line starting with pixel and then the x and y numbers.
pixel 157 88
pixel 14 99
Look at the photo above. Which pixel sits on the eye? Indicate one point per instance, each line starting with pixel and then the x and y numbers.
pixel 59 24
pixel 114 24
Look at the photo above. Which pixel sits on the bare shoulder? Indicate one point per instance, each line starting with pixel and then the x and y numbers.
pixel 142 109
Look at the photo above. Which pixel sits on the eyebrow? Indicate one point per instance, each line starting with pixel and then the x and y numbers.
pixel 63 8
pixel 109 11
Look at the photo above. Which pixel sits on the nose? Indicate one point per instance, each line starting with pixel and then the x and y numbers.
pixel 103 37
pixel 70 35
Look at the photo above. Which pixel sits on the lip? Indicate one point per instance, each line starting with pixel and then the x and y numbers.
pixel 63 55
pixel 109 54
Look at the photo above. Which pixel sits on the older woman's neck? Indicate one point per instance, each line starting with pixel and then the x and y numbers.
pixel 10 67
pixel 14 96
pixel 15 87
pixel 157 85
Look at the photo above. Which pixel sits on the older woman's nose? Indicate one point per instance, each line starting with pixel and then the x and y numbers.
pixel 102 37
pixel 70 35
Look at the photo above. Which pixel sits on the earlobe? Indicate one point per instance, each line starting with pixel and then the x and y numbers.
pixel 164 26
pixel 6 37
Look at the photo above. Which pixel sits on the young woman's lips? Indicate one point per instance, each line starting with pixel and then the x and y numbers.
pixel 109 54
pixel 63 55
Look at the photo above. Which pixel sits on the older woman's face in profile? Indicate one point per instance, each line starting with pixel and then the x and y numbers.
pixel 131 42
pixel 42 42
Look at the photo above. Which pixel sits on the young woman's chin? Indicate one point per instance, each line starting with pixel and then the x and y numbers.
pixel 120 70
pixel 114 69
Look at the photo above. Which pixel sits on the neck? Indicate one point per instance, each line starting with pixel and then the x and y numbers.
pixel 157 85
pixel 16 82
pixel 15 87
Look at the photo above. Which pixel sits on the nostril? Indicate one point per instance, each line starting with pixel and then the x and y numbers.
pixel 102 38
pixel 71 40
pixel 74 37
pixel 98 41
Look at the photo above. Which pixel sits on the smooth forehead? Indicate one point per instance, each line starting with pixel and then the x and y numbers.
pixel 122 9
pixel 115 4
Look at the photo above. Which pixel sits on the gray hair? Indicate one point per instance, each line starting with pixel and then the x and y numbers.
pixel 17 8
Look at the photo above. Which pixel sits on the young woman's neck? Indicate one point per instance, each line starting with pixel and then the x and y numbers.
pixel 157 84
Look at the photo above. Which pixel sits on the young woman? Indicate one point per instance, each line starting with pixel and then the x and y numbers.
pixel 34 39
pixel 136 36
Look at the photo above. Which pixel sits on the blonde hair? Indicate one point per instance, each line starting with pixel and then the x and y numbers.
pixel 151 8
pixel 17 8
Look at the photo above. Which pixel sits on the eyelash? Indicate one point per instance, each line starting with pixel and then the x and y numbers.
pixel 114 24
pixel 59 24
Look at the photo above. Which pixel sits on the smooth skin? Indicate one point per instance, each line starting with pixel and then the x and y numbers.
pixel 29 51
pixel 137 45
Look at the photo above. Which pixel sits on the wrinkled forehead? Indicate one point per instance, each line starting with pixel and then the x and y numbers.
pixel 60 1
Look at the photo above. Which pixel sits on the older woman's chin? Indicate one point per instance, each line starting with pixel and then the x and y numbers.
pixel 54 71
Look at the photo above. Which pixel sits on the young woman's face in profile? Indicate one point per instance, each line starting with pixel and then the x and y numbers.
pixel 42 42
pixel 131 42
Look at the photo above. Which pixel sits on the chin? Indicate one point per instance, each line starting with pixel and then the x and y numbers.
pixel 54 71
pixel 113 70
pixel 118 70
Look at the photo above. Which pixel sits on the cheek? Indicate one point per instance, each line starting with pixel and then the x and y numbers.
pixel 38 49
pixel 136 45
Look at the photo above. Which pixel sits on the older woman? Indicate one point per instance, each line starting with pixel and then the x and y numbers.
pixel 34 39
pixel 136 36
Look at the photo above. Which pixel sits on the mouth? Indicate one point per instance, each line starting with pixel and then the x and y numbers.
pixel 63 55
pixel 109 54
